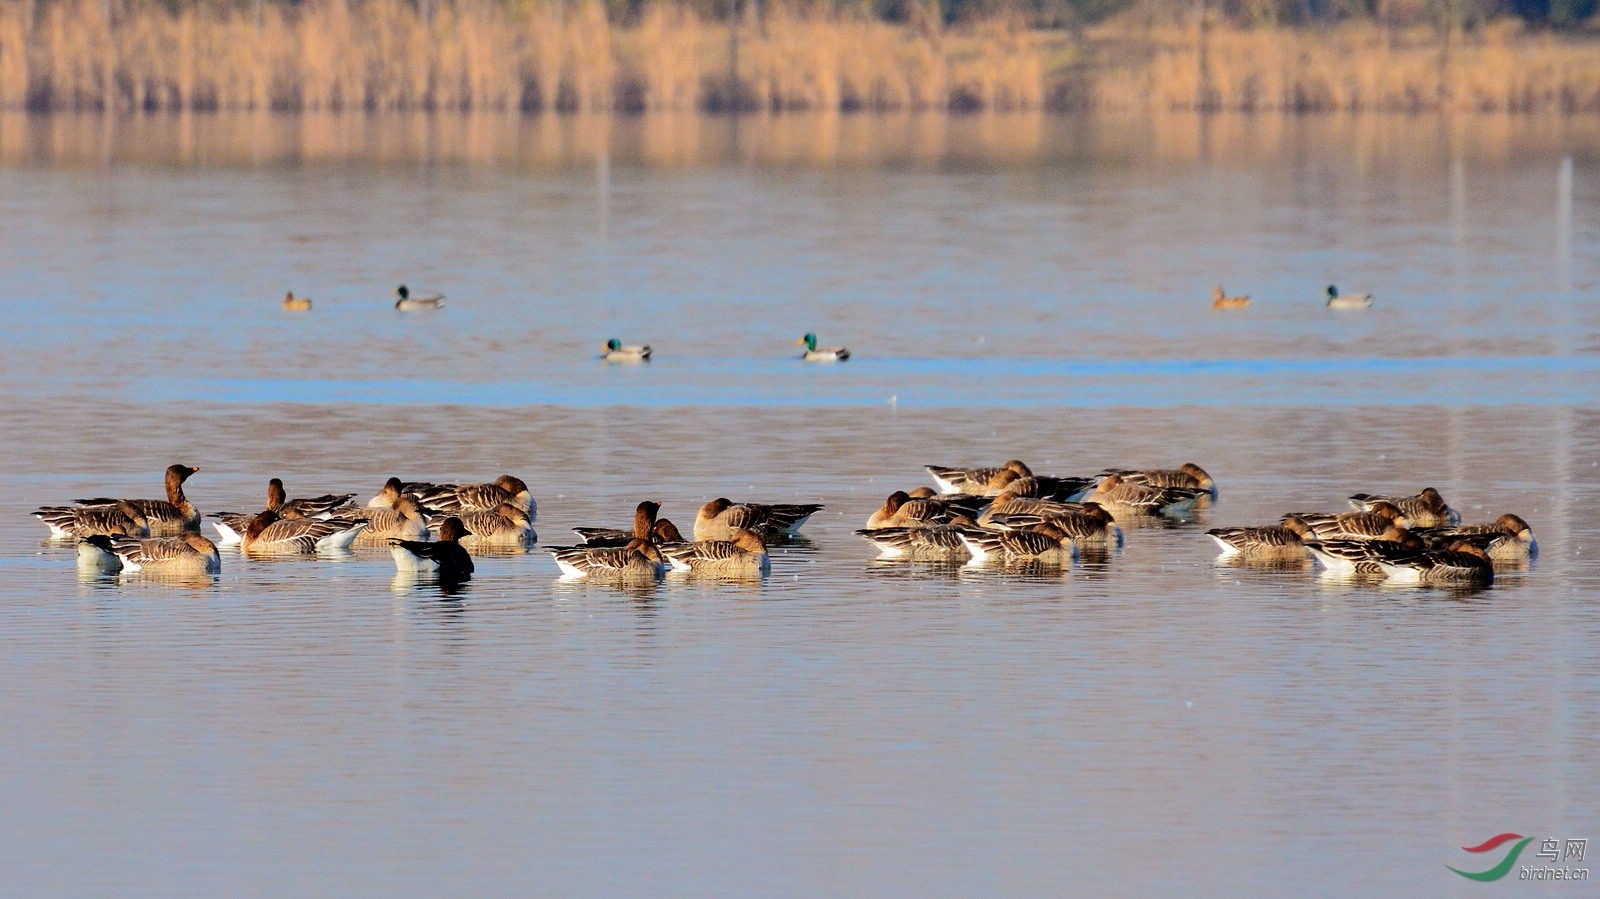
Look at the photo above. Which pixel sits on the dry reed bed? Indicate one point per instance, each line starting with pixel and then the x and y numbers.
pixel 379 55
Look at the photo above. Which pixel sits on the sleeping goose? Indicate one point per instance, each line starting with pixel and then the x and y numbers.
pixel 1046 544
pixel 935 543
pixel 165 518
pixel 812 354
pixel 406 301
pixel 1381 521
pixel 78 522
pixel 1188 476
pixel 477 497
pixel 447 557
pixel 1061 490
pixel 663 532
pixel 267 534
pixel 615 351
pixel 1427 509
pixel 1344 556
pixel 97 556
pixel 393 488
pixel 718 519
pixel 1506 539
pixel 903 510
pixel 644 521
pixel 1089 525
pixel 506 525
pixel 1124 497
pixel 640 559
pixel 405 521
pixel 230 526
pixel 188 553
pixel 745 555
pixel 976 481
pixel 1461 565
pixel 1280 542
pixel 1009 503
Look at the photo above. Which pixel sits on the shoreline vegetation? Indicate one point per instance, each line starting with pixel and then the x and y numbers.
pixel 581 56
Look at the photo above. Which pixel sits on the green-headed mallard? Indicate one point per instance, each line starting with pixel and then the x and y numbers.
pixel 1337 300
pixel 406 301
pixel 812 354
pixel 615 351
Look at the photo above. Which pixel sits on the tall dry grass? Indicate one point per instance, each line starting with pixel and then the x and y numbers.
pixel 472 55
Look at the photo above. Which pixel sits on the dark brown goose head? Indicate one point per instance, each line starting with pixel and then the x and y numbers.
pixel 510 484
pixel 1019 467
pixel 199 544
pixel 667 532
pixel 1298 526
pixel 1430 499
pixel 647 549
pixel 894 502
pixel 258 524
pixel 644 519
pixel 390 494
pixel 1099 512
pixel 962 521
pixel 748 541
pixel 1514 524
pixel 452 530
pixel 512 514
pixel 1388 510
pixel 1468 548
pixel 176 475
pixel 1004 478
pixel 276 496
pixel 1051 531
pixel 714 508
pixel 1198 473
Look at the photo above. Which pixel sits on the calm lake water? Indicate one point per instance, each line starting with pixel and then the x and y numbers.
pixel 1011 287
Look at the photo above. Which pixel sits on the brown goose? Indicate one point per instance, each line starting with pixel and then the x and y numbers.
pixel 1461 565
pixel 86 521
pixel 1045 544
pixel 745 555
pixel 640 559
pixel 406 521
pixel 165 518
pixel 505 526
pixel 974 481
pixel 1381 521
pixel 1506 539
pixel 1088 525
pixel 1425 510
pixel 1280 542
pixel 267 534
pixel 187 553
pixel 935 543
pixel 901 509
pixel 1188 475
pixel 644 520
pixel 455 498
pixel 1120 496
pixel 718 519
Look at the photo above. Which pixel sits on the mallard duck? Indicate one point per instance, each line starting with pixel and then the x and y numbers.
pixel 447 557
pixel 639 559
pixel 1221 300
pixel 121 517
pixel 1121 496
pixel 812 354
pixel 1506 539
pixel 1461 565
pixel 406 521
pixel 977 481
pixel 1336 300
pixel 744 555
pixel 1427 509
pixel 934 543
pixel 1281 542
pixel 1382 521
pixel 188 553
pixel 267 534
pixel 164 518
pixel 296 304
pixel 477 497
pixel 901 509
pixel 1187 475
pixel 406 301
pixel 718 519
pixel 616 352
pixel 1044 544
pixel 505 525
pixel 1087 525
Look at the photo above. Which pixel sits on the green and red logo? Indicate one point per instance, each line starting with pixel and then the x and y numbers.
pixel 1495 842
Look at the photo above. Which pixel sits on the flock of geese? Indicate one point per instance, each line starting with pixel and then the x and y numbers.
pixel 973 516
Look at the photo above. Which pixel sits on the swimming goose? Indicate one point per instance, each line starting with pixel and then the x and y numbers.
pixel 1188 475
pixel 639 559
pixel 812 354
pixel 976 481
pixel 406 521
pixel 1347 556
pixel 1382 521
pixel 718 519
pixel 1118 495
pixel 448 558
pixel 507 525
pixel 663 532
pixel 1009 503
pixel 477 497
pixel 1462 564
pixel 1425 510
pixel 1221 300
pixel 1280 542
pixel 406 301
pixel 310 507
pixel 615 351
pixel 902 510
pixel 644 522
pixel 296 304
pixel 267 534
pixel 1337 300
pixel 1062 490
pixel 935 543
pixel 188 553
pixel 165 518
pixel 1089 525
pixel 1046 544
pixel 85 521
pixel 1506 539
pixel 393 488
pixel 744 555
